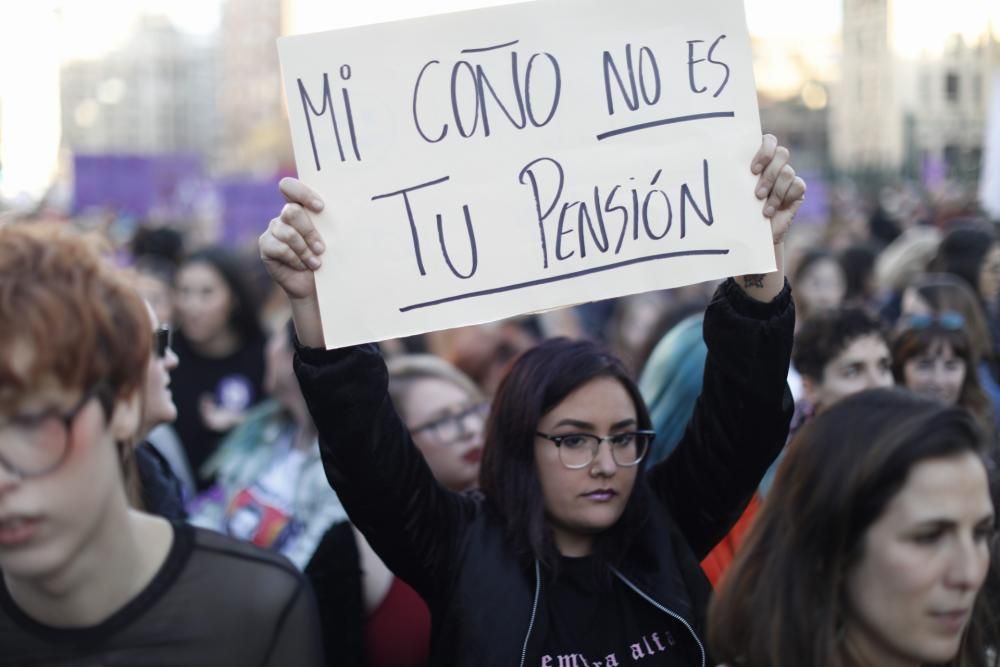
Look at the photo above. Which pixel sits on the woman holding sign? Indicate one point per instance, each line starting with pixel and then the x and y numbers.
pixel 574 554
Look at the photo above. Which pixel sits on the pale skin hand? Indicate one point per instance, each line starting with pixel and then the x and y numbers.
pixel 292 249
pixel 782 193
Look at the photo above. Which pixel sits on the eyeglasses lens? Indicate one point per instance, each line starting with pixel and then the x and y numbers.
pixel 33 447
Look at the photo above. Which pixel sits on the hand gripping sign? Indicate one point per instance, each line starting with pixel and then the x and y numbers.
pixel 488 163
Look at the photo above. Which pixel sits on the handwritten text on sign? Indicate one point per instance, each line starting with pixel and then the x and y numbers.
pixel 488 163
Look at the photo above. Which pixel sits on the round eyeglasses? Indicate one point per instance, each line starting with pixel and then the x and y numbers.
pixel 35 445
pixel 457 425
pixel 579 450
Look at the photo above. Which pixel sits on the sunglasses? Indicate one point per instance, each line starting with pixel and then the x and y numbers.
pixel 162 338
pixel 948 320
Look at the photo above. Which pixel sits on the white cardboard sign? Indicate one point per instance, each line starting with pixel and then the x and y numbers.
pixel 487 163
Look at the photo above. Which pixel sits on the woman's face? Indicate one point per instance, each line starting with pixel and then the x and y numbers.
pixel 923 562
pixel 204 302
pixel 581 503
pixel 821 287
pixel 989 276
pixel 46 521
pixel 158 401
pixel 937 373
pixel 447 426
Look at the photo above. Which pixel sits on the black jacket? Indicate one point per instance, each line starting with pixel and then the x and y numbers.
pixel 161 490
pixel 451 547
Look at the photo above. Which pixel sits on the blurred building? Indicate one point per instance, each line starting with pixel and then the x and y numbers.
pixel 153 95
pixel 913 92
pixel 800 123
pixel 254 128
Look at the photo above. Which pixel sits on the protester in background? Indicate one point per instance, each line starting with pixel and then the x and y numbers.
pixel 667 321
pixel 933 356
pixel 154 281
pixel 156 253
pixel 160 491
pixel 445 413
pixel 484 352
pixel 839 353
pixel 221 349
pixel 670 384
pixel 900 263
pixel 872 547
pixel 556 500
pixel 269 483
pixel 936 293
pixel 84 579
pixel 972 252
pixel 858 264
pixel 818 283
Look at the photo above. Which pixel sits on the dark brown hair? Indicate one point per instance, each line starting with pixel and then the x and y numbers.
pixel 825 335
pixel 910 342
pixel 963 250
pixel 782 603
pixel 537 382
pixel 944 292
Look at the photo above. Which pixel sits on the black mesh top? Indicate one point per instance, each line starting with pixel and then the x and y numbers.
pixel 215 601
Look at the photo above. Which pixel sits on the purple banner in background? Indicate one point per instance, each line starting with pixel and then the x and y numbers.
pixel 135 185
pixel 933 172
pixel 247 207
pixel 173 189
pixel 816 208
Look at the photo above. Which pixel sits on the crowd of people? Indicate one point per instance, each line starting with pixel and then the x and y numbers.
pixel 795 468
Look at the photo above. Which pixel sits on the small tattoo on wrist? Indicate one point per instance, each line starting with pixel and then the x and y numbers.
pixel 753 280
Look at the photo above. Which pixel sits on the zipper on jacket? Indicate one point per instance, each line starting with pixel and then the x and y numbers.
pixel 534 610
pixel 659 606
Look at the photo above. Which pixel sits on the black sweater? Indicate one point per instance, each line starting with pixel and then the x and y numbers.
pixel 451 547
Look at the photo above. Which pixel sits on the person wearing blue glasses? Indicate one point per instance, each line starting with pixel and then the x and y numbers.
pixel 572 552
pixel 933 356
pixel 85 579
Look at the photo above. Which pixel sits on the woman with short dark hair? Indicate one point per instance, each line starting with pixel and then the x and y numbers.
pixel 220 345
pixel 933 355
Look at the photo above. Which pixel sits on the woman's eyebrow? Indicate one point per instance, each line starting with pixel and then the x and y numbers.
pixel 575 423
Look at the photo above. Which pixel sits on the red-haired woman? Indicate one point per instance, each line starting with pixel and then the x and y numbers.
pixel 85 579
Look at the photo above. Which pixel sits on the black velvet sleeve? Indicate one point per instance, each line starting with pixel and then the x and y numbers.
pixel 741 418
pixel 390 494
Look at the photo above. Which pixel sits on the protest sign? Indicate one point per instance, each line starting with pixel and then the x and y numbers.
pixel 487 163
